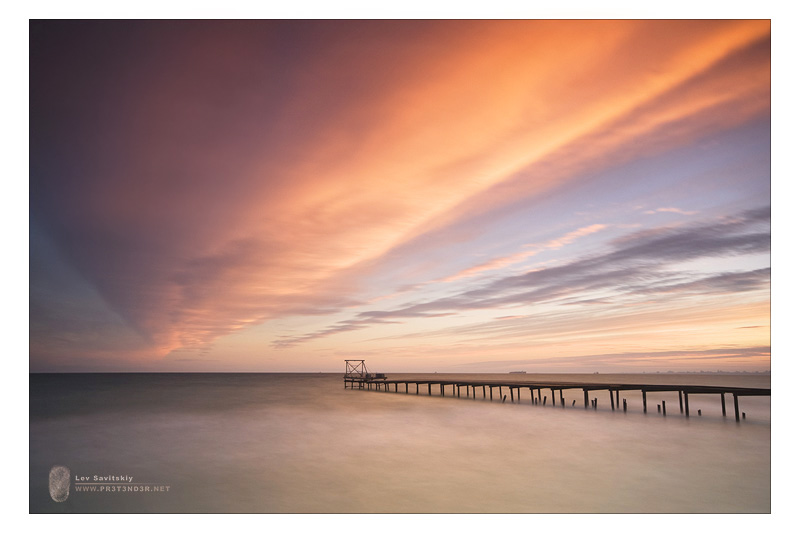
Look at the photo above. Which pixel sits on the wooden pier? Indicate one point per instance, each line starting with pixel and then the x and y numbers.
pixel 472 388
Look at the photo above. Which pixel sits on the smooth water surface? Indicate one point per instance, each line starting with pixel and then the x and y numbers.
pixel 301 443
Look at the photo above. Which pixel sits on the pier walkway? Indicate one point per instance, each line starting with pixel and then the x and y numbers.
pixel 439 387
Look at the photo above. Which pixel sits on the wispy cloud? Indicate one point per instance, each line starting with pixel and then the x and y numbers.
pixel 534 249
pixel 670 210
pixel 641 264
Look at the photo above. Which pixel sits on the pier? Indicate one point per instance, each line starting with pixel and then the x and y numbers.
pixel 358 378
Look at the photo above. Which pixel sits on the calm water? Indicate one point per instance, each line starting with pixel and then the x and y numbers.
pixel 300 443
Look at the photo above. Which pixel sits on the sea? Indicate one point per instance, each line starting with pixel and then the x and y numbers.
pixel 303 443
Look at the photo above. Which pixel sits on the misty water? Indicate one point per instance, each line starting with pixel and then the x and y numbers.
pixel 301 443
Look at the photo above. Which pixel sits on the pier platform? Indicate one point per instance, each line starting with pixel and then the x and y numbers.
pixel 472 388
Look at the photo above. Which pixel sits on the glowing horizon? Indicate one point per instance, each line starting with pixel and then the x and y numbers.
pixel 426 195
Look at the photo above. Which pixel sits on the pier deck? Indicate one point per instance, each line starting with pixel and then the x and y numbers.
pixel 613 389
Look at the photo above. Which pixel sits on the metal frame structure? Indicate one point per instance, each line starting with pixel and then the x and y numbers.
pixel 356 374
pixel 355 369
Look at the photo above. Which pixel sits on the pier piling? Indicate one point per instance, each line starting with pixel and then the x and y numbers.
pixel 356 377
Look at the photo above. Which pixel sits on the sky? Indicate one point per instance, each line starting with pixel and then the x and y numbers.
pixel 452 196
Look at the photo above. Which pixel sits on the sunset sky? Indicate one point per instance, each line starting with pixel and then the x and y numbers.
pixel 452 196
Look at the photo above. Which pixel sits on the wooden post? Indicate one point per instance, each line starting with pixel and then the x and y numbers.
pixel 442 389
pixel 722 396
pixel 395 387
pixel 561 396
pixel 429 389
pixel 736 405
pixel 417 388
pixel 680 400
pixel 532 399
pixel 459 390
pixel 664 407
pixel 658 408
pixel 484 390
pixel 594 403
pixel 617 398
pixel 406 387
pixel 644 400
pixel 624 405
pixel 545 401
pixel 686 402
pixel 573 403
pixel 611 394
pixel 585 398
pixel 490 393
pixel 553 393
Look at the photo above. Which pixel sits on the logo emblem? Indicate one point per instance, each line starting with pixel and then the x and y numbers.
pixel 59 483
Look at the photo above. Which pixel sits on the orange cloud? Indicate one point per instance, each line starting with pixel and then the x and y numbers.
pixel 502 262
pixel 231 206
